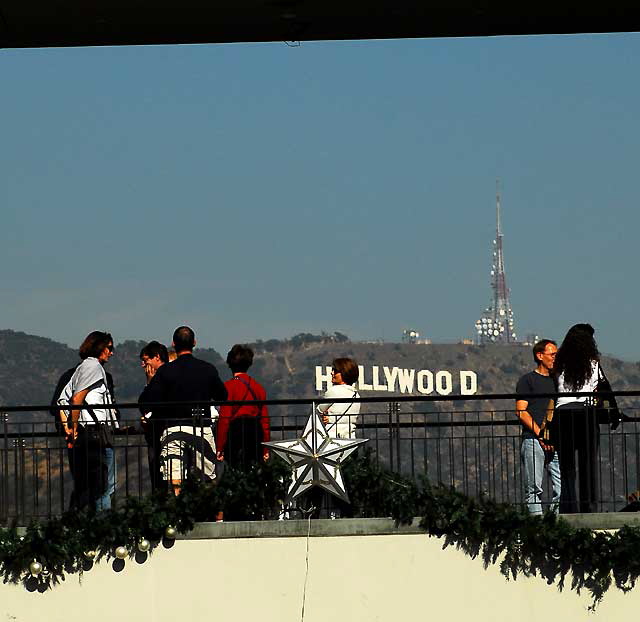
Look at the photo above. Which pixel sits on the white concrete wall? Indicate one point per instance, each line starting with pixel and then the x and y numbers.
pixel 397 578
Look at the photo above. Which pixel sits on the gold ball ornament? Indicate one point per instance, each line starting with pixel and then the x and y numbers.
pixel 144 545
pixel 91 555
pixel 35 568
pixel 170 532
pixel 121 552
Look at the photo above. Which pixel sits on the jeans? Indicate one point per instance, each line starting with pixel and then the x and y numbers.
pixel 109 458
pixel 533 463
pixel 92 467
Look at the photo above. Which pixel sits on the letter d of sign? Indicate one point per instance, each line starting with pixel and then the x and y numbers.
pixel 468 383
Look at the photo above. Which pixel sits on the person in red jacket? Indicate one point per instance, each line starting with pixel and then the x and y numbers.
pixel 242 428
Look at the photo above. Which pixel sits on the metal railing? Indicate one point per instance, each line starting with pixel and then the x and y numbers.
pixel 471 443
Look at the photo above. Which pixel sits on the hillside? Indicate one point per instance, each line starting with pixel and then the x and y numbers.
pixel 30 365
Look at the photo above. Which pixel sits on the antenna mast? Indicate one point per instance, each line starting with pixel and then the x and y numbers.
pixel 497 325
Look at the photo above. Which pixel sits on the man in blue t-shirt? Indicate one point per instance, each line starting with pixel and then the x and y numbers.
pixel 535 414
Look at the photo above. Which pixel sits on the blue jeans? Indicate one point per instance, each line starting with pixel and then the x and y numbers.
pixel 533 464
pixel 109 458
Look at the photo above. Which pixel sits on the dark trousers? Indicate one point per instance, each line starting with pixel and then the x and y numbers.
pixel 152 435
pixel 88 470
pixel 578 435
pixel 244 442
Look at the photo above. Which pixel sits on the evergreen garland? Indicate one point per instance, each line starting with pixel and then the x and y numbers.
pixel 521 544
pixel 61 544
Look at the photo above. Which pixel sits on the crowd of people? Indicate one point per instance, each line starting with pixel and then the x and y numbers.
pixel 185 435
pixel 561 422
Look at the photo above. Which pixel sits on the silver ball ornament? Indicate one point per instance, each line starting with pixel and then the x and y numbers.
pixel 144 545
pixel 121 552
pixel 35 568
pixel 91 555
pixel 170 532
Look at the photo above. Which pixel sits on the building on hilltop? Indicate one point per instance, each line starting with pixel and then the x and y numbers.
pixel 409 335
pixel 497 324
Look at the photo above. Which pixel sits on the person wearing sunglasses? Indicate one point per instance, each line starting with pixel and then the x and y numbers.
pixel 340 419
pixel 90 424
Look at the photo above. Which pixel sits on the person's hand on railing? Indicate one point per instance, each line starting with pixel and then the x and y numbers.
pixel 265 454
pixel 220 456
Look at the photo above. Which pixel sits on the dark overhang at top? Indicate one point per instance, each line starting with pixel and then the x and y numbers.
pixel 36 23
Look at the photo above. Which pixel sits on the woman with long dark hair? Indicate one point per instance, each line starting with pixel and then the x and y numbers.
pixel 577 369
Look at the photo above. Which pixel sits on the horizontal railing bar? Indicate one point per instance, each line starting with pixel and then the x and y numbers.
pixel 320 399
pixel 295 428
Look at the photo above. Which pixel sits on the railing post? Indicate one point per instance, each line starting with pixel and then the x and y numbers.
pixel 396 412
pixel 391 434
pixel 394 436
pixel 18 444
pixel 313 436
pixel 4 501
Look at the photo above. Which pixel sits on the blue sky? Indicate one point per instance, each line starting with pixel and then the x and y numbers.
pixel 257 191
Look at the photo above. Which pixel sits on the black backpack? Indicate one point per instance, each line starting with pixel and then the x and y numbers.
pixel 63 381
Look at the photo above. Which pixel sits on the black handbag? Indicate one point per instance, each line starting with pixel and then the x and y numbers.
pixel 607 411
pixel 99 434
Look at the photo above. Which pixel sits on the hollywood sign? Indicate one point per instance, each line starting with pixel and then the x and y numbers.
pixel 399 380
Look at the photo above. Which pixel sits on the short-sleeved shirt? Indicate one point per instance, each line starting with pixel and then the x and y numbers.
pixel 533 382
pixel 90 375
pixel 589 386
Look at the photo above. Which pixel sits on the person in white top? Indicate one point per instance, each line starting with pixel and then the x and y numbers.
pixel 577 369
pixel 340 421
pixel 89 430
pixel 340 418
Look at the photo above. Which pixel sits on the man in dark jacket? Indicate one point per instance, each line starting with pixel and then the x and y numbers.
pixel 186 443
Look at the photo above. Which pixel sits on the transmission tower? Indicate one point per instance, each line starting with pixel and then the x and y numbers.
pixel 496 325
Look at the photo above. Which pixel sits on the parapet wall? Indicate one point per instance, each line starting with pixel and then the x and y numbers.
pixel 247 572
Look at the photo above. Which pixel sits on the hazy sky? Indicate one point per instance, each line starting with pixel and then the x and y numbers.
pixel 258 191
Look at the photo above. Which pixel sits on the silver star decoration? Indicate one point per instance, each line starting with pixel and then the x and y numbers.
pixel 316 459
